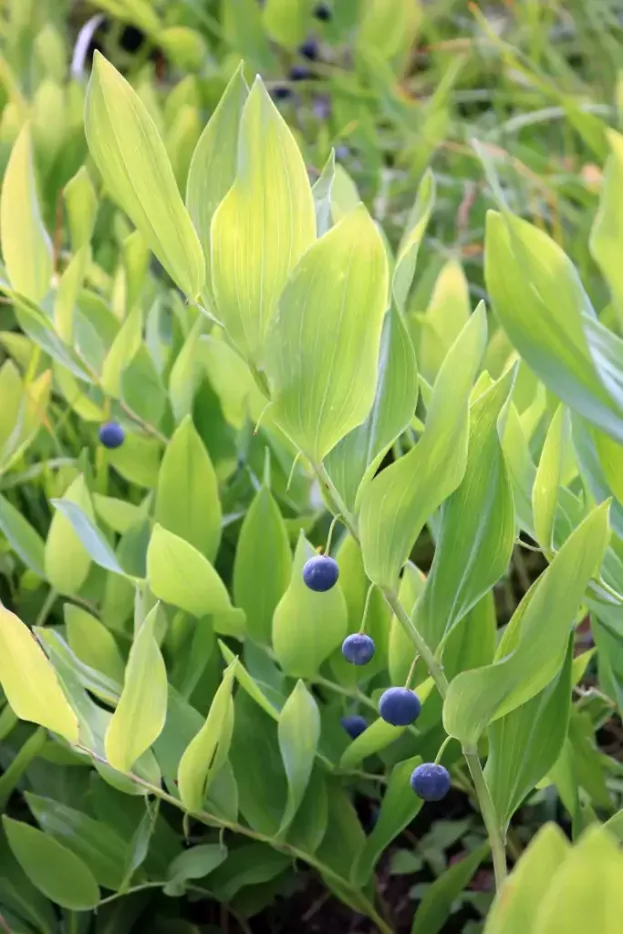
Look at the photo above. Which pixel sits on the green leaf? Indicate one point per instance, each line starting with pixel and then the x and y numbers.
pixel 187 500
pixel 541 303
pixel 194 863
pixel 476 533
pixel 395 506
pixel 207 751
pixel 124 348
pixel 66 560
pixel 548 479
pixel 141 712
pixel 67 294
pixel 307 626
pixel 81 204
pixel 436 906
pixel 132 159
pixel 534 644
pixel 263 565
pixel 298 732
pixel 118 514
pixel 30 682
pixel 137 460
pixel 93 643
pixel 95 544
pixel 446 315
pixel 286 21
pixel 517 904
pixel 355 458
pixel 401 649
pixel 322 190
pixel 375 737
pixel 54 869
pixel 404 270
pixel 101 849
pixel 247 683
pixel 607 230
pixel 399 807
pixel 323 344
pixel 262 227
pixel 26 247
pixel 213 166
pixel 21 536
pixel 177 573
pixel 525 744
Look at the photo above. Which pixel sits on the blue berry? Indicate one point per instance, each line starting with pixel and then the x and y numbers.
pixel 354 725
pixel 322 12
pixel 299 73
pixel 320 573
pixel 341 152
pixel 309 49
pixel 281 93
pixel 430 782
pixel 399 706
pixel 358 648
pixel 112 435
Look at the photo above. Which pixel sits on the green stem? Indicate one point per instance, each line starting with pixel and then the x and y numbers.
pixel 489 816
pixel 434 667
pixel 47 605
pixel 13 773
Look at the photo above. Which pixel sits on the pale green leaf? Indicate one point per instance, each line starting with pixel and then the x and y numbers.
pixel 194 863
pixel 323 345
pixel 548 479
pixel 26 246
pixel 247 683
pixel 401 498
pixel 374 738
pixel 140 714
pixel 286 21
pixel 298 733
pixel 30 682
pixel 533 647
pixel 67 294
pixel 132 159
pixel 81 204
pixel 607 230
pixel 406 260
pixel 322 194
pixel 95 544
pixel 187 500
pixel 179 574
pixel 21 535
pixel 124 348
pixel 118 514
pixel 92 642
pixel 445 317
pixel 262 227
pixel 66 560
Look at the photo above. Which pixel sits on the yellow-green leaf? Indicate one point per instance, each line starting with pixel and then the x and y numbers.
pixel 67 562
pixel 323 345
pixel 187 500
pixel 548 478
pixel 141 712
pixel 30 682
pixel 607 230
pixel 132 159
pixel 26 247
pixel 262 227
pixel 123 349
pixel 298 733
pixel 179 574
pixel 93 643
pixel 286 21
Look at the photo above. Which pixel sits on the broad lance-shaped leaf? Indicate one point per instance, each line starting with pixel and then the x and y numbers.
pixel 262 566
pixel 95 544
pixel 322 190
pixel 542 306
pixel 286 21
pixel 179 574
pixel 187 500
pixel 92 642
pixel 298 733
pixel 406 260
pixel 213 167
pixel 607 230
pixel 517 904
pixel 534 643
pixel 398 809
pixel 476 534
pixel 440 897
pixel 526 743
pixel 323 345
pixel 22 537
pixel 141 712
pixel 307 626
pixel 29 681
pixel 395 506
pixel 67 562
pixel 548 479
pixel 262 227
pixel 355 458
pixel 207 751
pixel 132 159
pixel 446 315
pixel 26 246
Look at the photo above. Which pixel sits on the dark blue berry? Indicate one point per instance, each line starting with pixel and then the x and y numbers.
pixel 320 573
pixel 299 73
pixel 399 706
pixel 341 152
pixel 281 93
pixel 309 49
pixel 112 435
pixel 354 725
pixel 358 648
pixel 323 13
pixel 430 782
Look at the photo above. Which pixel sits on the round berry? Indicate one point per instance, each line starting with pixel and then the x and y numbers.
pixel 399 706
pixel 358 648
pixel 112 435
pixel 354 725
pixel 299 73
pixel 323 13
pixel 309 49
pixel 341 152
pixel 320 573
pixel 281 93
pixel 430 782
